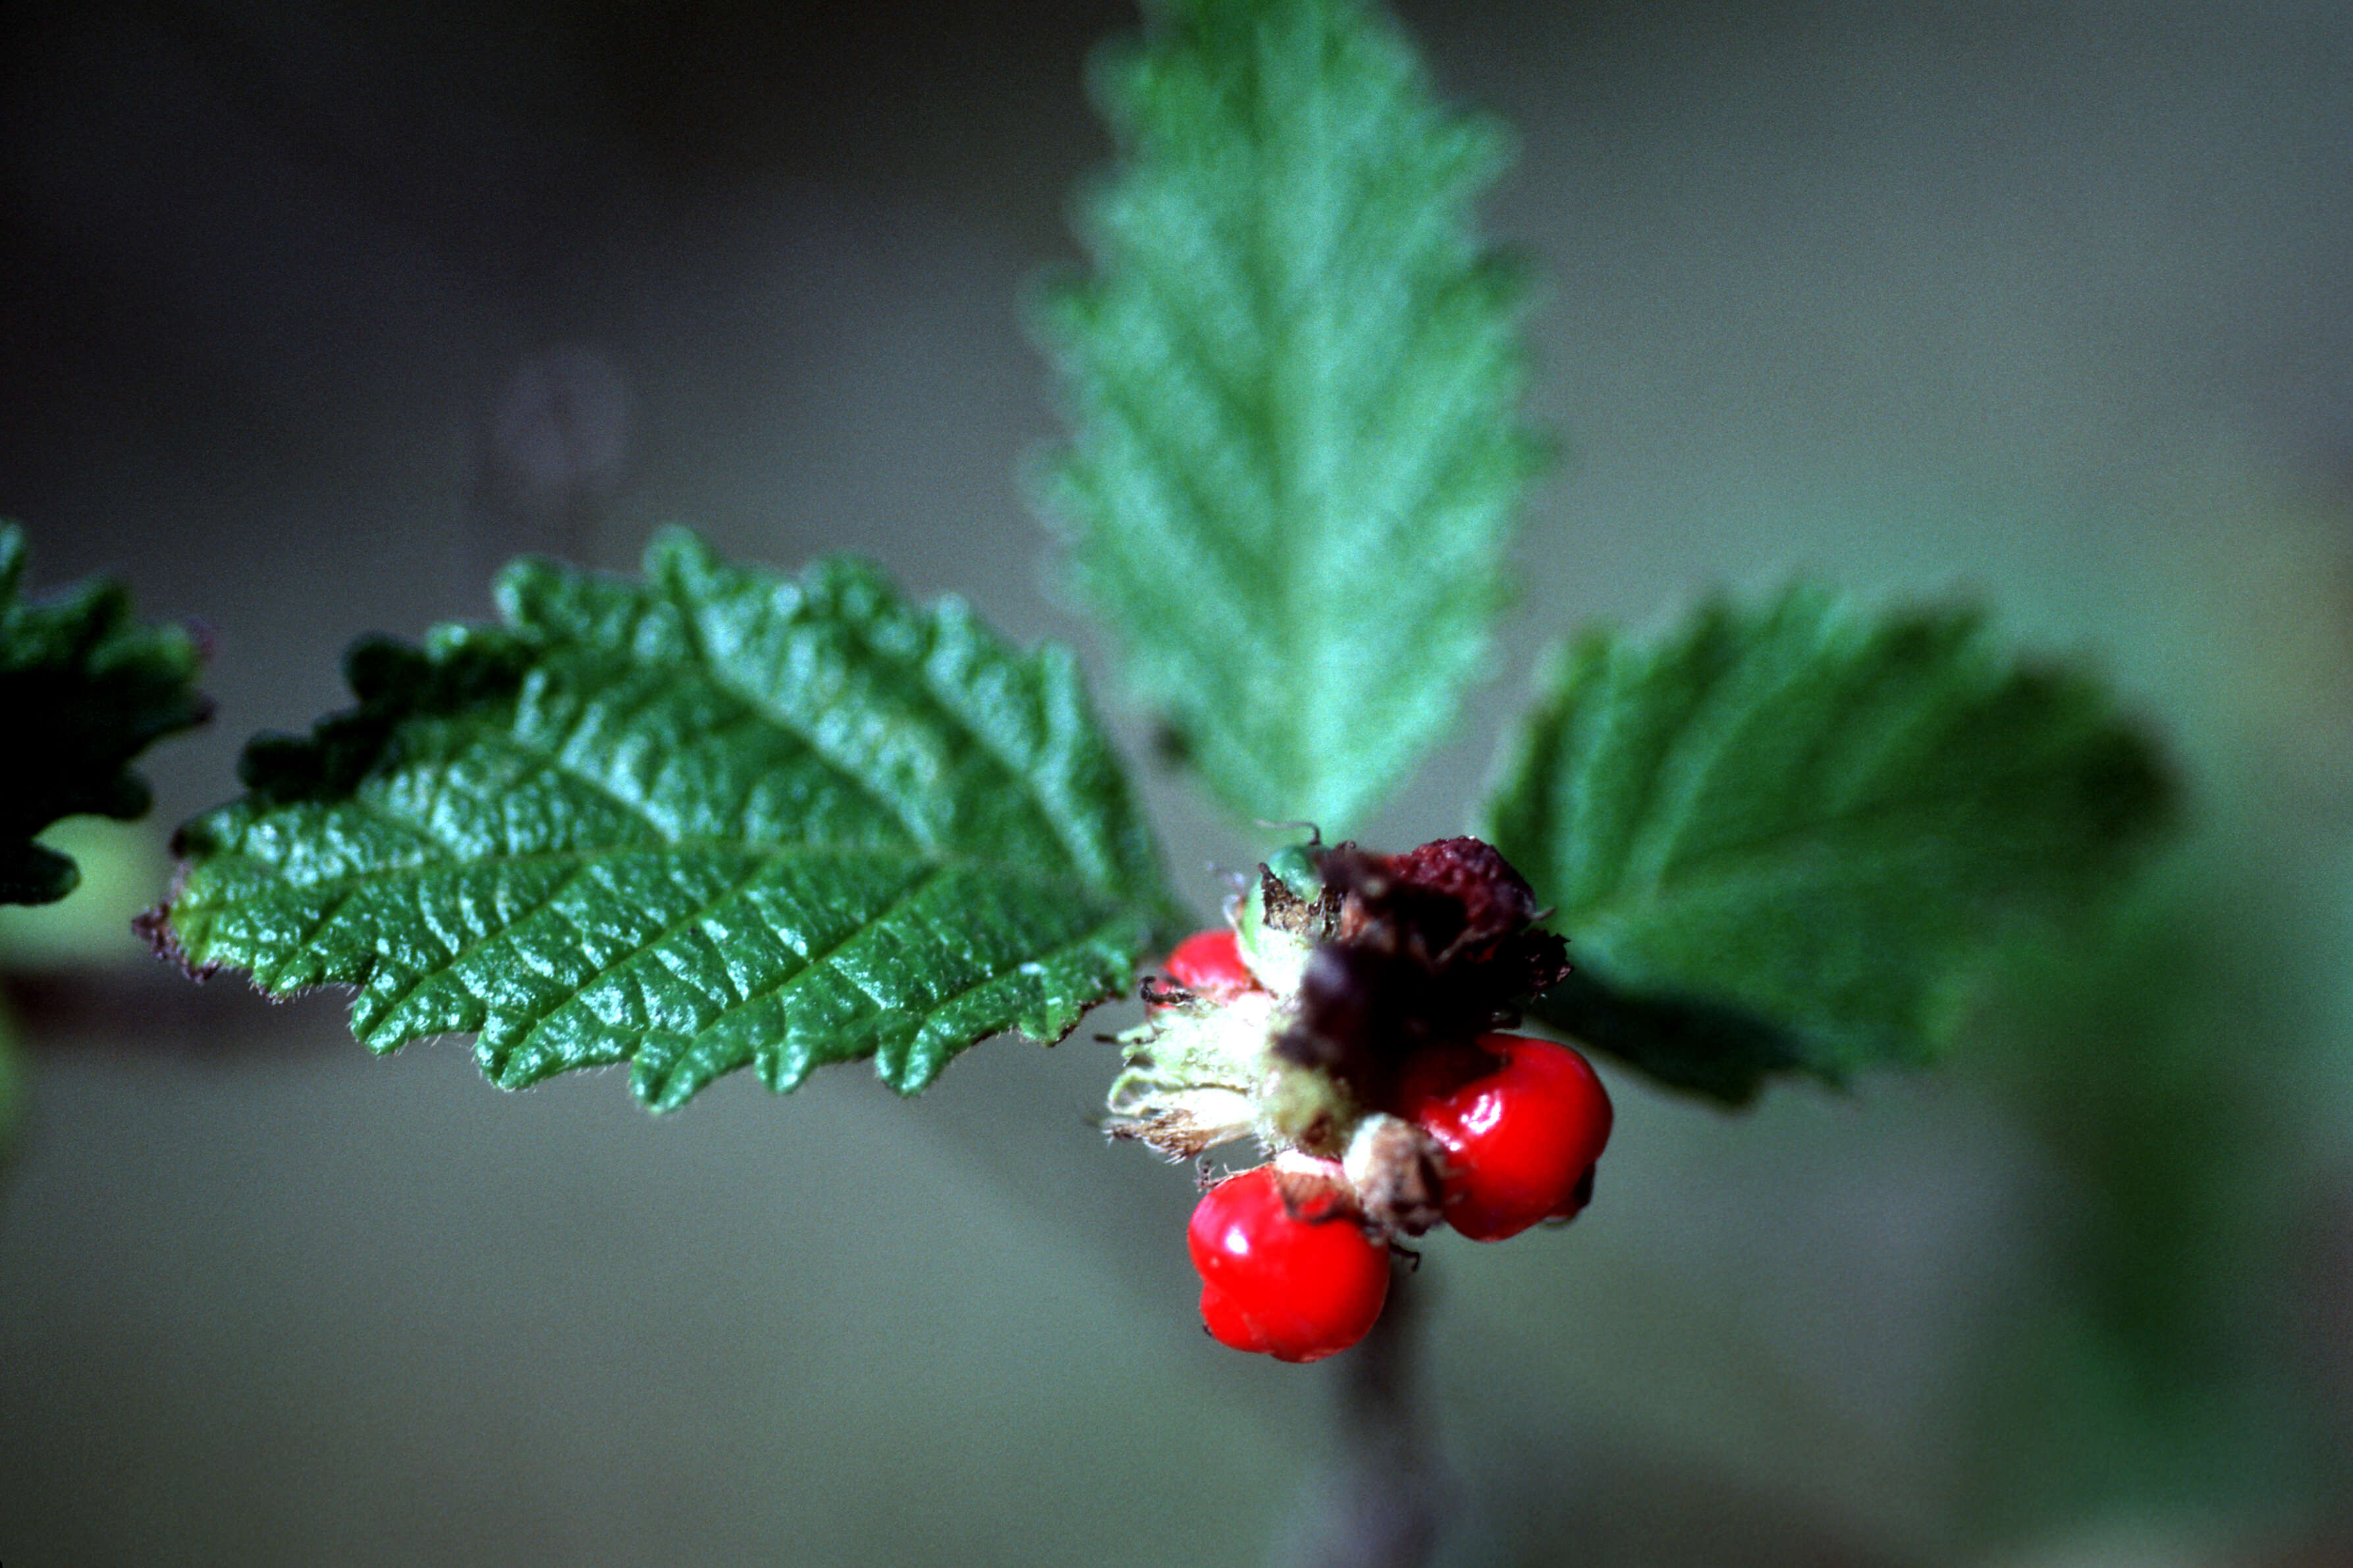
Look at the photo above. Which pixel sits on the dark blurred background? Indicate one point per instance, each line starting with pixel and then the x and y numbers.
pixel 311 315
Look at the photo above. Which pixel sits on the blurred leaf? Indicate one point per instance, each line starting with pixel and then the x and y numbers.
pixel 83 690
pixel 714 819
pixel 1292 387
pixel 121 865
pixel 1777 840
pixel 2167 1068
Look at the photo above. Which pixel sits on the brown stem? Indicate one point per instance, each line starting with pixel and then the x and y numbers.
pixel 1382 1501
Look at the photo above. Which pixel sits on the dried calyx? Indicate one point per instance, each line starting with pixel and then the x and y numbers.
pixel 1355 963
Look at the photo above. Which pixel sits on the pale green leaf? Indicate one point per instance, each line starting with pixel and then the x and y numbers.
pixel 714 819
pixel 1778 840
pixel 1292 384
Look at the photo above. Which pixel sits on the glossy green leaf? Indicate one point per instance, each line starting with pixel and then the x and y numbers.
pixel 714 819
pixel 1292 384
pixel 84 689
pixel 1778 840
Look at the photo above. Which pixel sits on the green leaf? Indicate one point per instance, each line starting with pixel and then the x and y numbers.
pixel 2165 1070
pixel 716 819
pixel 84 689
pixel 121 865
pixel 1292 387
pixel 1779 840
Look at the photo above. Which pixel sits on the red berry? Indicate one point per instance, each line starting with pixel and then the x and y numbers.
pixel 1521 1121
pixel 1210 963
pixel 1286 1268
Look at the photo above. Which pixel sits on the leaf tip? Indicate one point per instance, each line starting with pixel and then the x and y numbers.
pixel 153 926
pixel 679 554
pixel 12 556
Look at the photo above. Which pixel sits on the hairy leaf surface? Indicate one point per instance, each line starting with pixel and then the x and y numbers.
pixel 1775 841
pixel 84 689
pixel 1292 386
pixel 718 818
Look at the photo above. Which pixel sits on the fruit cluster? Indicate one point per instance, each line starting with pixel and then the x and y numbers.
pixel 1343 1022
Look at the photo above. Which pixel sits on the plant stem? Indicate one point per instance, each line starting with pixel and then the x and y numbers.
pixel 1382 1500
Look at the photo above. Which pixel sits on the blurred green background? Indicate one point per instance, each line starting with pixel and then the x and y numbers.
pixel 309 315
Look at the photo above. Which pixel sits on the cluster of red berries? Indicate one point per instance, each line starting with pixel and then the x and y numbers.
pixel 1291 1265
